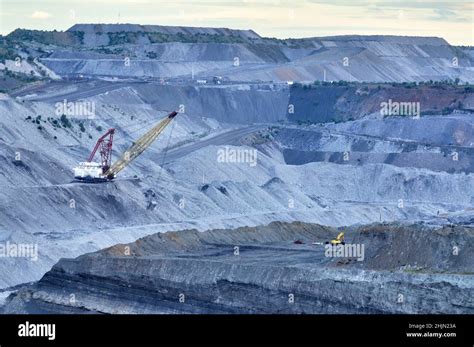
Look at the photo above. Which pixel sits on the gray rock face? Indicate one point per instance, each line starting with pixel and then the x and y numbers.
pixel 428 142
pixel 406 269
pixel 318 103
pixel 237 104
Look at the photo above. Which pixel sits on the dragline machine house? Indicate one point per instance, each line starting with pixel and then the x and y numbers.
pixel 91 171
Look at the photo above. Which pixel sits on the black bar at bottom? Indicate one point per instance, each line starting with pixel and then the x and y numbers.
pixel 260 329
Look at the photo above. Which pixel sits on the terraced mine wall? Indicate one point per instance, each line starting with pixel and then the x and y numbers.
pixel 305 104
pixel 266 269
pixel 230 104
pixel 339 103
pixel 429 142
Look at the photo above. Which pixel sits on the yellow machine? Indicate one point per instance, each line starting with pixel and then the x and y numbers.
pixel 339 240
pixel 139 146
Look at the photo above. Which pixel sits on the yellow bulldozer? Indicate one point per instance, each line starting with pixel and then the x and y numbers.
pixel 339 240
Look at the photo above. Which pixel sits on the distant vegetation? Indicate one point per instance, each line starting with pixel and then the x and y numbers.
pixel 105 50
pixel 19 76
pixel 122 37
pixel 7 51
pixel 59 38
pixel 75 38
pixel 456 82
pixel 292 43
pixel 65 122
pixel 152 55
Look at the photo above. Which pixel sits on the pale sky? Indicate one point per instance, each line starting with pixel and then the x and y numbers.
pixel 452 20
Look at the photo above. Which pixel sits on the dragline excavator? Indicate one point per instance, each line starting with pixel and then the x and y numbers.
pixel 91 171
